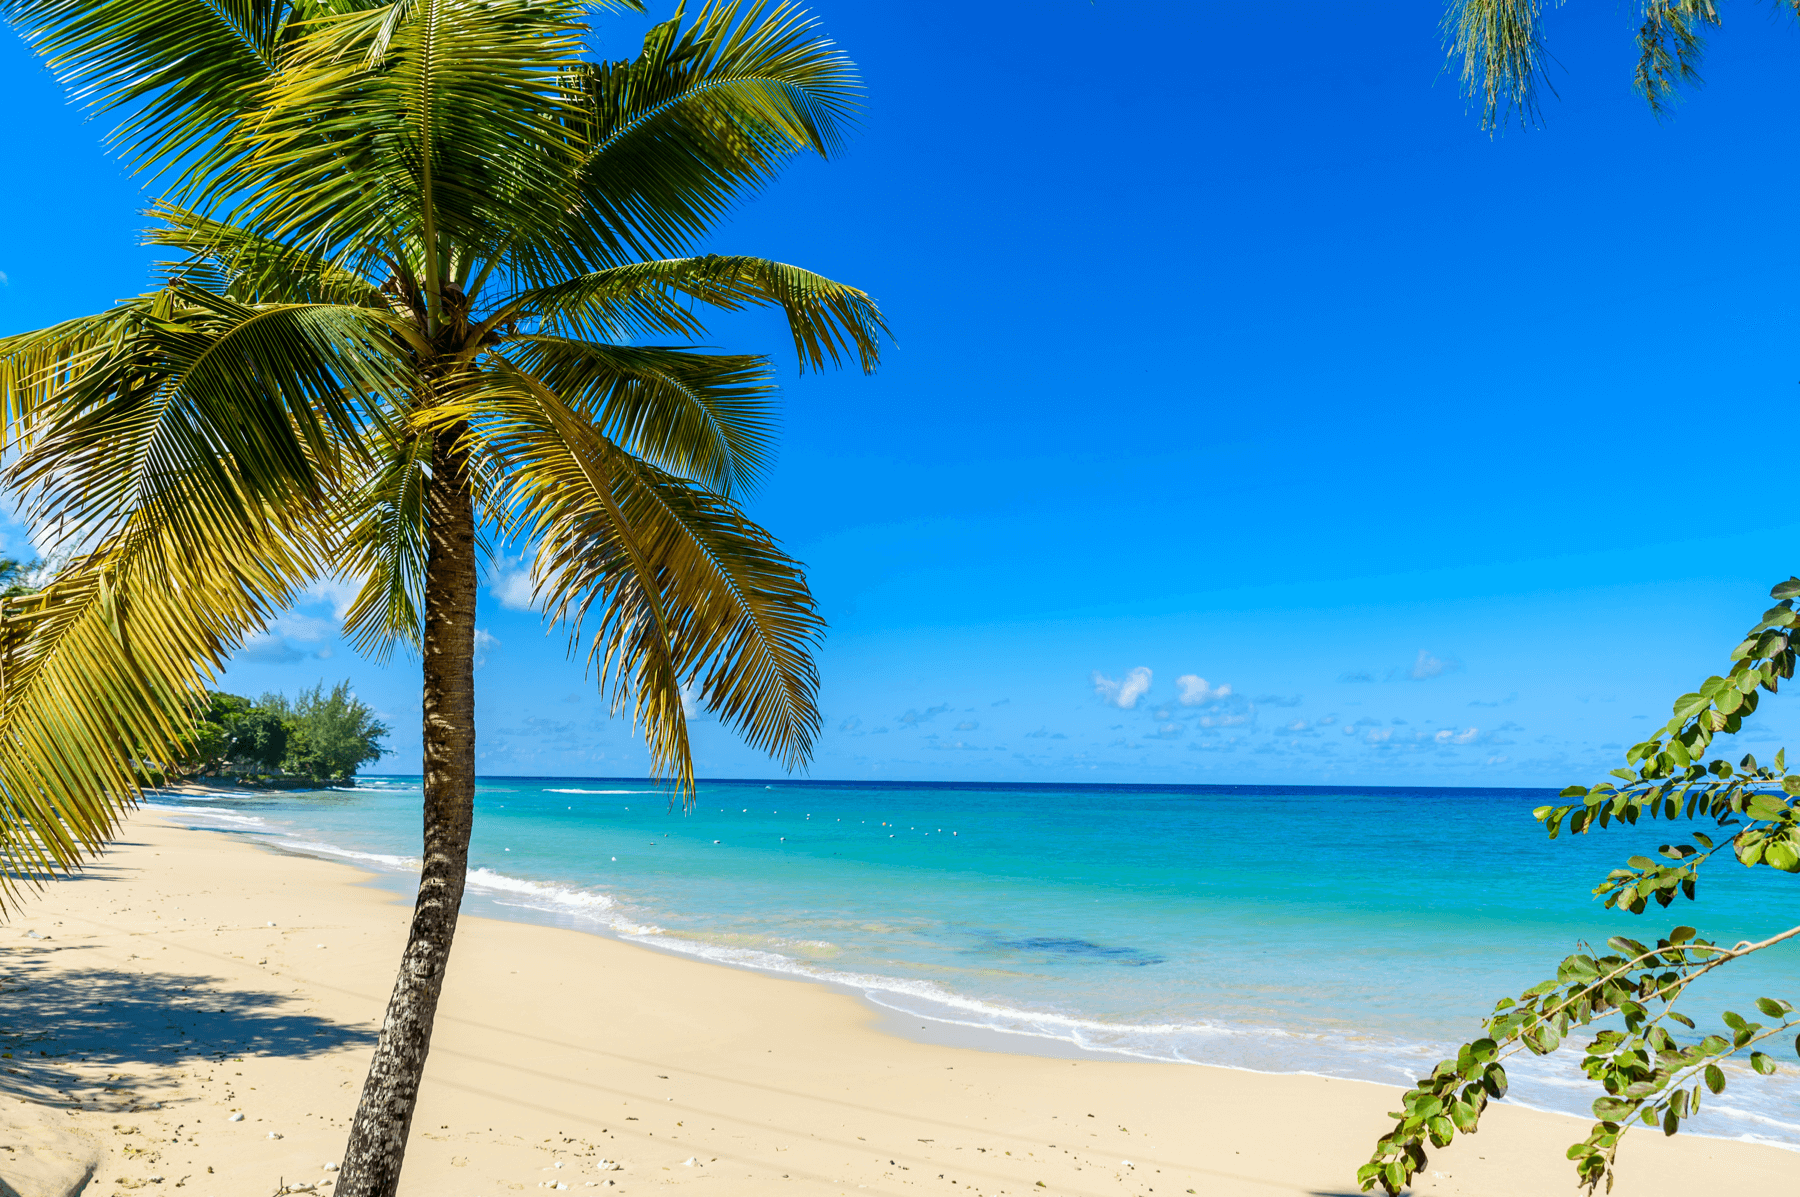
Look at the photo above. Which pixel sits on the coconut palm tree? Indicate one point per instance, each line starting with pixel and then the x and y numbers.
pixel 422 255
pixel 1501 44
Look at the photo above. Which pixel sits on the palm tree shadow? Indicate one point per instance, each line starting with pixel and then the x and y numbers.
pixel 136 1024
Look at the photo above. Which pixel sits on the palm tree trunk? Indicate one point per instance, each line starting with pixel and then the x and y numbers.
pixel 371 1166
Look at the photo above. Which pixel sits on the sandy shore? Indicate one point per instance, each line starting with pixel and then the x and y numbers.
pixel 188 976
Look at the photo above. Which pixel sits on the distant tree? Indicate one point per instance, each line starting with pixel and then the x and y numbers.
pixel 16 577
pixel 236 735
pixel 329 736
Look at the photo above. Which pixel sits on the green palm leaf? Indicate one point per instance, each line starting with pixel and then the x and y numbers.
pixel 684 591
pixel 703 116
pixel 179 71
pixel 827 319
pixel 706 417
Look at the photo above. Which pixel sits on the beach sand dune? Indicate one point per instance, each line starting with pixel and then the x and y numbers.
pixel 197 1012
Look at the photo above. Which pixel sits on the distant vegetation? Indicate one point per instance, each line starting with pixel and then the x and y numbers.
pixel 316 737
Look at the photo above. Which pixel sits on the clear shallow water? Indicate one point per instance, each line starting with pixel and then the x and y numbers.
pixel 1350 932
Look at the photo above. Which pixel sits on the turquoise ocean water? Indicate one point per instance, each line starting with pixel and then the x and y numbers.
pixel 1350 932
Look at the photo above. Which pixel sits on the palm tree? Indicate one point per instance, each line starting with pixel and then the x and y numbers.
pixel 1501 44
pixel 420 248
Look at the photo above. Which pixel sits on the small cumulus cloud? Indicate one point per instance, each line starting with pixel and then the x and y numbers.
pixel 1001 703
pixel 1280 700
pixel 1328 721
pixel 1450 735
pixel 1196 693
pixel 850 725
pixel 307 628
pixel 915 718
pixel 967 725
pixel 1126 692
pixel 511 583
pixel 4 281
pixel 268 649
pixel 1356 676
pixel 1378 735
pixel 1168 731
pixel 485 643
pixel 1513 697
pixel 1427 667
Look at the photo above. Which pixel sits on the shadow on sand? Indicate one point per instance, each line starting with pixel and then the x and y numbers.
pixel 54 1012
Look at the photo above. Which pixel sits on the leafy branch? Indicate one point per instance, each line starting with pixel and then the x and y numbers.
pixel 1648 1074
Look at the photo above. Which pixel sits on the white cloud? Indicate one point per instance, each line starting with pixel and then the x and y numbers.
pixel 485 643
pixel 1378 735
pixel 4 281
pixel 967 725
pixel 308 628
pixel 339 592
pixel 850 725
pixel 1428 667
pixel 510 582
pixel 1195 693
pixel 913 718
pixel 1125 693
pixel 268 649
pixel 1451 736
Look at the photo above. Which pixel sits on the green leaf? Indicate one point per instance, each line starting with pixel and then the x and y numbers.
pixel 1781 855
pixel 1773 1007
pixel 1762 1063
pixel 1715 1078
pixel 1440 1130
pixel 1767 806
pixel 1689 705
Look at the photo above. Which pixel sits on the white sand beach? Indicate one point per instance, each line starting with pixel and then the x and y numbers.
pixel 189 977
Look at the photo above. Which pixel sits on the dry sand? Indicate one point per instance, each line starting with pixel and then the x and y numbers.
pixel 188 976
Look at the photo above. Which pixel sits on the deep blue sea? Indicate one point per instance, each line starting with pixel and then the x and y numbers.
pixel 1349 932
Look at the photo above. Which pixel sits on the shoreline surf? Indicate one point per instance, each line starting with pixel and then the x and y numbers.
pixel 929 1012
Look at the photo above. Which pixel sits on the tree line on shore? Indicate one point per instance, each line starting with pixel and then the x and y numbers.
pixel 316 737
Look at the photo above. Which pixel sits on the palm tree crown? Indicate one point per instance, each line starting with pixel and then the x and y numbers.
pixel 433 284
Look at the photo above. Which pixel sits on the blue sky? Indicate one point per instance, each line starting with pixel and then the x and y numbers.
pixel 1254 417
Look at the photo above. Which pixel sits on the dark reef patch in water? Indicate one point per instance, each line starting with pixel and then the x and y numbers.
pixel 1066 946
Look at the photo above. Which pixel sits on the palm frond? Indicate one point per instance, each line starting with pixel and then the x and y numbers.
pixel 706 417
pixel 1670 46
pixel 683 590
pixel 102 671
pixel 386 547
pixel 704 116
pixel 179 71
pixel 252 269
pixel 827 319
pixel 1501 46
pixel 201 411
pixel 408 129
